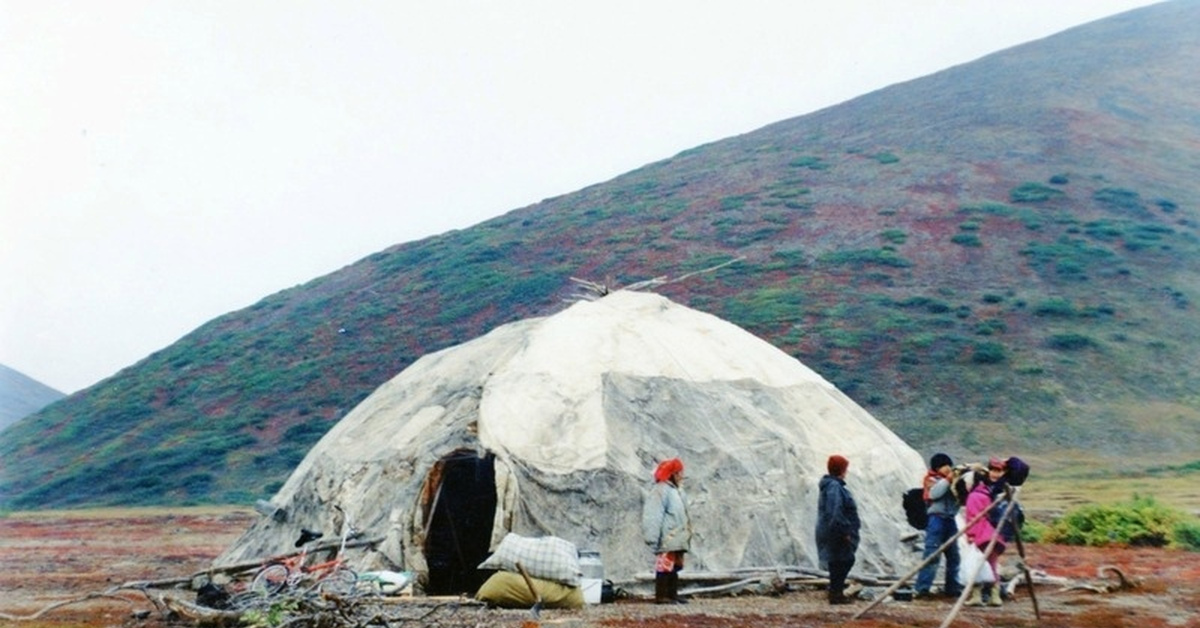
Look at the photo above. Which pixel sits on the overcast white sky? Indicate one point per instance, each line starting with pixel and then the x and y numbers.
pixel 165 162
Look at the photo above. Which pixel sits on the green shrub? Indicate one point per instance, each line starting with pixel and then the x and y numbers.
pixel 1069 342
pixel 966 239
pixel 1034 531
pixel 988 207
pixel 988 353
pixel 865 257
pixel 1032 192
pixel 1120 199
pixel 731 203
pixel 990 326
pixel 894 236
pixel 1059 179
pixel 886 158
pixel 1186 534
pixel 1056 307
pixel 811 162
pixel 1140 522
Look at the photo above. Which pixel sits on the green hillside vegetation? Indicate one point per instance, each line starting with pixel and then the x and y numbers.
pixel 1003 257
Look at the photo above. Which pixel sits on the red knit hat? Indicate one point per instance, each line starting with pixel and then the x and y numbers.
pixel 667 468
pixel 837 465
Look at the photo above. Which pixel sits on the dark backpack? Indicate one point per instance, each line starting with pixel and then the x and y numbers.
pixel 914 508
pixel 1016 519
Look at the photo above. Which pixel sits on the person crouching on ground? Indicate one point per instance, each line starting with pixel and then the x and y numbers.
pixel 982 531
pixel 837 528
pixel 667 529
pixel 942 506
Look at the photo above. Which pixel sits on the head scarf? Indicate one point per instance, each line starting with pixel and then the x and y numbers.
pixel 667 468
pixel 837 465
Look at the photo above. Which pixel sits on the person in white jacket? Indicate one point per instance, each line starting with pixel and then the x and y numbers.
pixel 667 529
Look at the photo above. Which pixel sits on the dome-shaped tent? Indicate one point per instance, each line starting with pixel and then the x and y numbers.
pixel 552 426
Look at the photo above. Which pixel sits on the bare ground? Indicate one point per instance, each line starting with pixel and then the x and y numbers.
pixel 49 558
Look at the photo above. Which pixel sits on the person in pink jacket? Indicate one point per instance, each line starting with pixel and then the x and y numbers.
pixel 982 531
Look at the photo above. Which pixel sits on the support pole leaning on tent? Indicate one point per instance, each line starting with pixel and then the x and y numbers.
pixel 932 557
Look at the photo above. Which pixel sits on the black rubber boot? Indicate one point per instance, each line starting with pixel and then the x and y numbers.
pixel 673 589
pixel 662 586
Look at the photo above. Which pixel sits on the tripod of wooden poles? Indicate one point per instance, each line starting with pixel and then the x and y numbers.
pixel 1010 492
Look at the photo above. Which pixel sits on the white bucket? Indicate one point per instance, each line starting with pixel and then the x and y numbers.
pixel 591 590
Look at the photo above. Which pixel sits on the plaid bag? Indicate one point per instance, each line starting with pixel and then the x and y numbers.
pixel 547 558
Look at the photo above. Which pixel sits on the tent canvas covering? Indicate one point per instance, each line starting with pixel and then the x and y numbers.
pixel 552 426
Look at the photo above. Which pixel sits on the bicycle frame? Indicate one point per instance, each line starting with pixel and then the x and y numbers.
pixel 289 572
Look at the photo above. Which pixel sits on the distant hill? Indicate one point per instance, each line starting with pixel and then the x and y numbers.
pixel 1000 257
pixel 21 396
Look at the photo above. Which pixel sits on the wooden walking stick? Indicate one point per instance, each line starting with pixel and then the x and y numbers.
pixel 932 557
pixel 1011 492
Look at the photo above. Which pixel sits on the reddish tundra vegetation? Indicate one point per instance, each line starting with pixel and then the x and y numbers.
pixel 50 558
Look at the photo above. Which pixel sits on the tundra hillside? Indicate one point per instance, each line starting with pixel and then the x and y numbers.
pixel 1003 256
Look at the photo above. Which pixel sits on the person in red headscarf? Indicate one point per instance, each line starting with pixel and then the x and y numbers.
pixel 837 527
pixel 667 529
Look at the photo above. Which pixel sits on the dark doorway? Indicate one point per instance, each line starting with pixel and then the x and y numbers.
pixel 460 505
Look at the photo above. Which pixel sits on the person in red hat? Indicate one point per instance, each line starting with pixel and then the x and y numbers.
pixel 837 527
pixel 667 529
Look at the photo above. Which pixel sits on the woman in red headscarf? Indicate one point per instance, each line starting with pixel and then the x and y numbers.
pixel 667 529
pixel 837 527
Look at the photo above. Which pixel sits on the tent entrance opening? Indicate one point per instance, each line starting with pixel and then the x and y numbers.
pixel 460 508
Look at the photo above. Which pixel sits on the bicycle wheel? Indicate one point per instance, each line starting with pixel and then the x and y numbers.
pixel 270 579
pixel 340 582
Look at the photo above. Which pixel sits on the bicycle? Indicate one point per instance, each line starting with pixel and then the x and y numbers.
pixel 292 572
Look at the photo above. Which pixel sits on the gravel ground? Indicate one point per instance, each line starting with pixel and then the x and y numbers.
pixel 53 558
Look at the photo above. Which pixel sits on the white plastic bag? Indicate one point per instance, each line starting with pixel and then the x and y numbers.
pixel 972 561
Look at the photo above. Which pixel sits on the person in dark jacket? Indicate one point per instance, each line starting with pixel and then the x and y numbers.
pixel 837 528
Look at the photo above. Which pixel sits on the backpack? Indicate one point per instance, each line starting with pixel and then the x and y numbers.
pixel 1008 528
pixel 914 508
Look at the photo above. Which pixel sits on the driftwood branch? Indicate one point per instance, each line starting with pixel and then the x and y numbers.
pixel 1122 584
pixel 56 605
pixel 237 568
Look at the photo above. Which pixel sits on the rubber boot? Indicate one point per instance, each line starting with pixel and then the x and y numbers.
pixel 673 589
pixel 994 596
pixel 976 598
pixel 661 587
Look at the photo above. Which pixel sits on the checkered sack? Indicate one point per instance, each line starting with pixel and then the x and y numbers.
pixel 547 558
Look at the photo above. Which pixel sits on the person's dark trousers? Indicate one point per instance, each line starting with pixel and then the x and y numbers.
pixel 838 570
pixel 937 532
